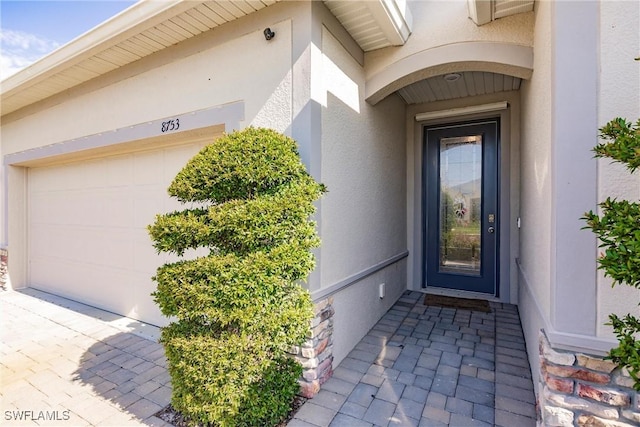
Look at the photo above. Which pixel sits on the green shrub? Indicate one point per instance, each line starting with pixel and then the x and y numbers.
pixel 240 308
pixel 619 232
pixel 226 378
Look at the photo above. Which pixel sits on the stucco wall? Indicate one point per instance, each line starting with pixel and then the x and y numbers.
pixel 577 86
pixel 220 70
pixel 446 22
pixel 363 214
pixel 534 296
pixel 535 181
pixel 619 96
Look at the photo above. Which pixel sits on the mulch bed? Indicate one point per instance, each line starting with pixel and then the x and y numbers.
pixel 175 418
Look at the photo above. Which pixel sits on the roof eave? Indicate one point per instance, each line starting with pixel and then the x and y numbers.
pixel 394 19
pixel 109 33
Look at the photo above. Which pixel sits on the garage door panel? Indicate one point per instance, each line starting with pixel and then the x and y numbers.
pixel 92 175
pixel 119 171
pixel 145 307
pixel 88 221
pixel 147 168
pixel 46 206
pixel 117 249
pixel 118 205
pixel 175 159
pixel 113 290
pixel 52 275
pixel 52 179
pixel 78 244
pixel 86 208
pixel 148 201
pixel 65 243
pixel 145 258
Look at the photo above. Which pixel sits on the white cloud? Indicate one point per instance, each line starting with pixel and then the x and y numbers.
pixel 19 50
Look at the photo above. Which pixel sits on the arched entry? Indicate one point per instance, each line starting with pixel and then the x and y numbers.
pixel 480 57
pixel 444 88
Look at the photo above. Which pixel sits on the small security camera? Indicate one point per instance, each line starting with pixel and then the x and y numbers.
pixel 268 34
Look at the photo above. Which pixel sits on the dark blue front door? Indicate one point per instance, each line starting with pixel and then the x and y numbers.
pixel 461 223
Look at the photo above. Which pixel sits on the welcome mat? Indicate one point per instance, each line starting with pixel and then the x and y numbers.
pixel 461 303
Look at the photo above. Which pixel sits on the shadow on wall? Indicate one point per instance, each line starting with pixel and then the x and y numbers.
pixel 130 372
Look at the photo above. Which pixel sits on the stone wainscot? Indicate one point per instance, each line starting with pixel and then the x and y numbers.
pixel 316 353
pixel 4 273
pixel 582 390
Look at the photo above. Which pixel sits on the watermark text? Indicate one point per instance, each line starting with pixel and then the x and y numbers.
pixel 30 415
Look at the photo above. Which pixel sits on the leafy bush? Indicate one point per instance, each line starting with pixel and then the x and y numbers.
pixel 619 232
pixel 240 308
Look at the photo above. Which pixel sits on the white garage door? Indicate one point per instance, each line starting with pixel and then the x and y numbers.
pixel 87 228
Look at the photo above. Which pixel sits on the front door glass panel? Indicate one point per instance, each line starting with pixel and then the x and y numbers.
pixel 461 223
pixel 460 195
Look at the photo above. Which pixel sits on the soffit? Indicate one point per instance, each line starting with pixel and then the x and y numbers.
pixel 470 83
pixel 374 24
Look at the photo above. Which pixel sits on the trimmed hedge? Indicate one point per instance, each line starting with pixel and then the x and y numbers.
pixel 618 229
pixel 239 309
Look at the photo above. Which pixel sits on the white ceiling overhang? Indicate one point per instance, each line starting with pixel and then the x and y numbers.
pixel 374 24
pixel 484 11
pixel 150 26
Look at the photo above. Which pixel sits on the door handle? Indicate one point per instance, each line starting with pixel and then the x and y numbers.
pixel 491 230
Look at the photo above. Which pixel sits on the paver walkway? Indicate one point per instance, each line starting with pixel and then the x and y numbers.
pixel 64 363
pixel 430 366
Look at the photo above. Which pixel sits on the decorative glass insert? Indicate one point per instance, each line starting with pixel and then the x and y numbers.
pixel 460 195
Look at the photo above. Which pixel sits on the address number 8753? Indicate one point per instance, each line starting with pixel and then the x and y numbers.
pixel 170 125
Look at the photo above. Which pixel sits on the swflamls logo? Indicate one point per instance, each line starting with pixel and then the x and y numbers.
pixel 21 415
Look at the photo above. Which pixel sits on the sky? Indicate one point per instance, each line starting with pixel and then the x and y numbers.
pixel 30 29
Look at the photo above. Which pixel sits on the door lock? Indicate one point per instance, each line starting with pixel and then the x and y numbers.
pixel 491 230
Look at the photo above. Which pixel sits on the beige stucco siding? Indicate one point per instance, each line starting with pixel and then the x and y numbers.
pixel 535 180
pixel 363 166
pixel 619 96
pixel 584 75
pixel 246 68
pixel 363 215
pixel 443 41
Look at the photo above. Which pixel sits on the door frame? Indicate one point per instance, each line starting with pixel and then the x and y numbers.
pixel 430 196
pixel 454 111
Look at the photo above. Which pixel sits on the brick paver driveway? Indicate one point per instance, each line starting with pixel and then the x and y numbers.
pixel 63 363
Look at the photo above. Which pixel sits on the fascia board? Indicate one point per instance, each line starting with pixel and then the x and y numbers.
pixel 394 18
pixel 480 11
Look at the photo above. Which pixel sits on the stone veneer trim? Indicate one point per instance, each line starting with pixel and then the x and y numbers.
pixel 316 353
pixel 584 390
pixel 4 272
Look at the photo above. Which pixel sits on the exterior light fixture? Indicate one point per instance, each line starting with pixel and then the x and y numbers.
pixel 452 77
pixel 268 34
